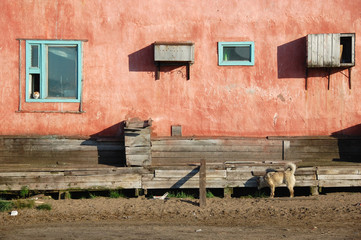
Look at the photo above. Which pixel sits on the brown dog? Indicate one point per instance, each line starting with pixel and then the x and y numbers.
pixel 275 179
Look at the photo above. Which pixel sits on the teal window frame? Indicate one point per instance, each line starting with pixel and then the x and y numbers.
pixel 41 69
pixel 222 62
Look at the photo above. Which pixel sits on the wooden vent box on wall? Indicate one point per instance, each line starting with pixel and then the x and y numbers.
pixel 174 52
pixel 330 50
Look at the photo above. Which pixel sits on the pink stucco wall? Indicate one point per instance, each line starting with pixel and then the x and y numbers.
pixel 268 98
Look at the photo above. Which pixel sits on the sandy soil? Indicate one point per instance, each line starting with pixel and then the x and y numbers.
pixel 331 216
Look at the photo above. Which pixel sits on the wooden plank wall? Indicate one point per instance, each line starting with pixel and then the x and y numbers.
pixel 339 176
pixel 231 175
pixel 21 152
pixel 322 151
pixel 71 179
pixel 48 163
pixel 182 151
pixel 137 142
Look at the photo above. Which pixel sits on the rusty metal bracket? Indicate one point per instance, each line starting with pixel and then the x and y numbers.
pixel 159 64
pixel 306 78
pixel 329 72
pixel 328 78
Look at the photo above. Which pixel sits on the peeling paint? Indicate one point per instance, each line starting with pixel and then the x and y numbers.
pixel 275 117
pixel 280 96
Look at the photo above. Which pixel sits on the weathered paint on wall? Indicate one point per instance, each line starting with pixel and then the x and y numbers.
pixel 119 83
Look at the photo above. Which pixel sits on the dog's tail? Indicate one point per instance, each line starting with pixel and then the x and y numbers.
pixel 290 167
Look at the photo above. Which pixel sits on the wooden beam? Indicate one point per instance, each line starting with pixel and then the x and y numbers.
pixel 202 184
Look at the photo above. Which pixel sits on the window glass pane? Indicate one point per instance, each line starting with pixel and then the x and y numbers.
pixel 34 56
pixel 240 53
pixel 62 72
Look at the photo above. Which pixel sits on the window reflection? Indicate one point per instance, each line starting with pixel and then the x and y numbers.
pixel 62 72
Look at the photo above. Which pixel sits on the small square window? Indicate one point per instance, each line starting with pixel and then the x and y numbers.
pixel 53 70
pixel 235 53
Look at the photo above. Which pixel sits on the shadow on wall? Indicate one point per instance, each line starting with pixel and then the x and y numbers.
pixel 291 61
pixel 143 61
pixel 110 145
pixel 349 144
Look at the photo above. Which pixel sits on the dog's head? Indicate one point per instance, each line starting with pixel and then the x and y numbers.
pixel 261 182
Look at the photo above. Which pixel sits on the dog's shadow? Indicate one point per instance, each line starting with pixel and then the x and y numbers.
pixel 253 181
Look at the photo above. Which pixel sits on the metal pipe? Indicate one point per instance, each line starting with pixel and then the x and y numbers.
pixel 29 111
pixel 19 108
pixel 37 39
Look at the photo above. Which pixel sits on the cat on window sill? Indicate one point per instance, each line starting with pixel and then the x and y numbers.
pixel 36 95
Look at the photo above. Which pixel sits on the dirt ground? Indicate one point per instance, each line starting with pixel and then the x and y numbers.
pixel 330 216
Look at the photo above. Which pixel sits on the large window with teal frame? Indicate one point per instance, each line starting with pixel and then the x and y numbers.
pixel 235 53
pixel 53 71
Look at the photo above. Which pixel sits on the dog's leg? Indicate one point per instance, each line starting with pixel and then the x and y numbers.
pixel 273 189
pixel 290 188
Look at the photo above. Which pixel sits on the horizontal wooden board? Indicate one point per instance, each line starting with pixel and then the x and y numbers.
pixel 31 174
pixel 176 183
pixel 105 171
pixel 184 161
pixel 71 186
pixel 137 137
pixel 312 149
pixel 34 161
pixel 56 148
pixel 306 183
pixel 143 150
pixel 339 176
pixel 313 142
pixel 235 175
pixel 305 177
pixel 339 183
pixel 70 179
pixel 138 160
pixel 216 142
pixel 253 167
pixel 194 173
pixel 216 148
pixel 48 154
pixel 310 155
pixel 338 170
pixel 227 155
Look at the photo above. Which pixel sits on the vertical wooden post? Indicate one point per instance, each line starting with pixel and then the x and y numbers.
pixel 227 192
pixel 285 146
pixel 202 184
pixel 314 190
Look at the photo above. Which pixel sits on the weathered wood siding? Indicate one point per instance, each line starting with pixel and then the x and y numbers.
pixel 232 175
pixel 71 179
pixel 18 151
pixel 339 177
pixel 180 151
pixel 49 163
pixel 137 142
pixel 323 151
pixel 323 50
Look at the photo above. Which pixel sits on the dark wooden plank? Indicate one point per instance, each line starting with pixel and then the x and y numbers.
pixel 177 161
pixel 138 150
pixel 312 149
pixel 216 148
pixel 202 184
pixel 312 142
pixel 310 155
pixel 72 185
pixel 219 155
pixel 216 142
